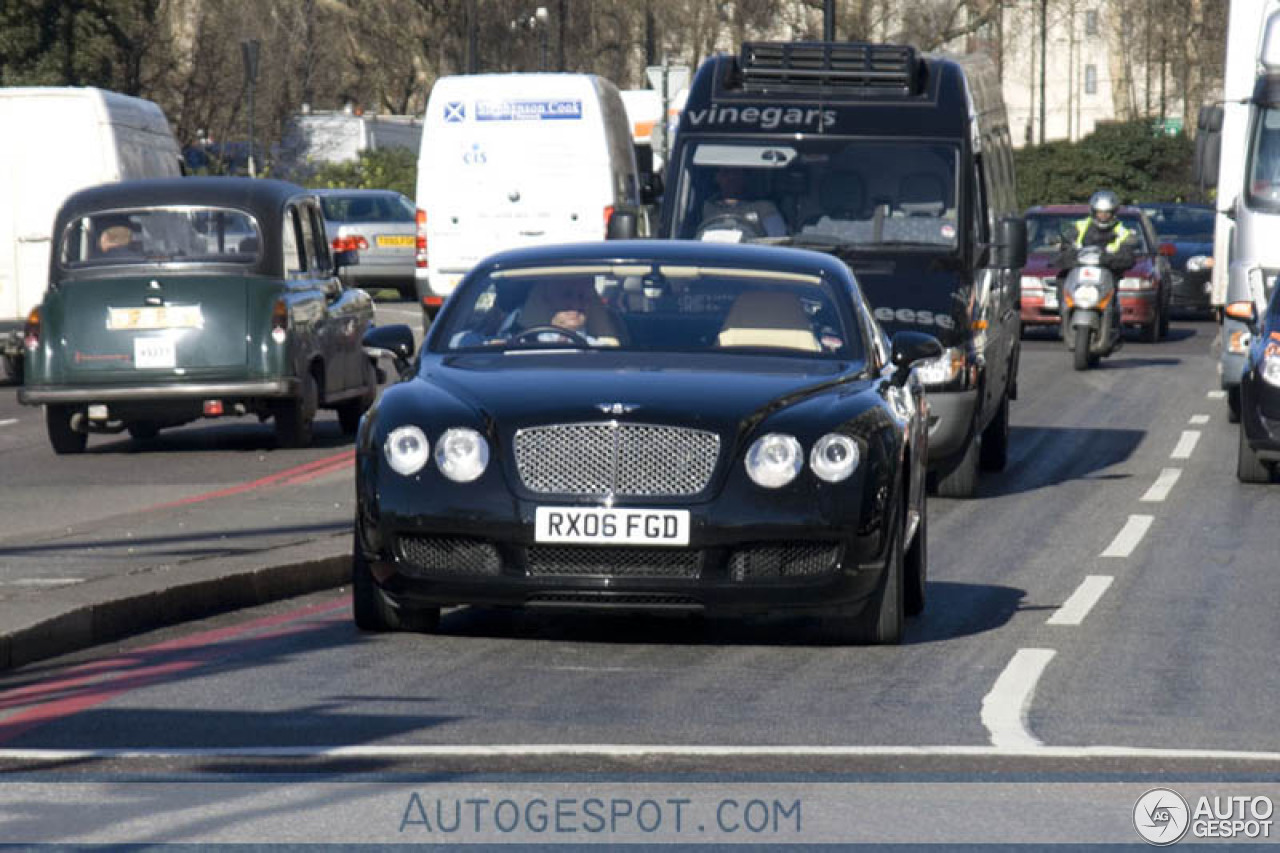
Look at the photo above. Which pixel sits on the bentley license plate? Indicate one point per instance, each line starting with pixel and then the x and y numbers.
pixel 601 526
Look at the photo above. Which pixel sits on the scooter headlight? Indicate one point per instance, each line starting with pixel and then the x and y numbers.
pixel 462 454
pixel 774 460
pixel 407 450
pixel 1086 296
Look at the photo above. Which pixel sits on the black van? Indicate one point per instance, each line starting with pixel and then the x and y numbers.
pixel 896 162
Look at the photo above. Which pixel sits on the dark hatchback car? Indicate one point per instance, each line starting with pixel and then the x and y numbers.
pixel 664 425
pixel 1259 448
pixel 1145 288
pixel 175 299
pixel 1189 229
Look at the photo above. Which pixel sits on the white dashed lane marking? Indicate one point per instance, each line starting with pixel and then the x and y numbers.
pixel 8 422
pixel 1075 608
pixel 1129 536
pixel 1199 420
pixel 1186 444
pixel 1160 490
pixel 1217 395
pixel 1004 709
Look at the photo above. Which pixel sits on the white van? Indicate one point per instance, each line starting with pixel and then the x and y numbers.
pixel 511 160
pixel 57 141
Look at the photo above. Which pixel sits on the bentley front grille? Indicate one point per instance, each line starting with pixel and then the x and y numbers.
pixel 579 561
pixel 783 560
pixel 449 556
pixel 632 460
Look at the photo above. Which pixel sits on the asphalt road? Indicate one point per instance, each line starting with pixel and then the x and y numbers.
pixel 1106 607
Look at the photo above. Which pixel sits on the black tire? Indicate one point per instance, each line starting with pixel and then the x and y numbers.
pixel 1233 405
pixel 1080 353
pixel 1249 468
pixel 64 439
pixel 371 612
pixel 143 430
pixel 350 412
pixel 880 621
pixel 995 440
pixel 962 481
pixel 1164 321
pixel 916 566
pixel 295 419
pixel 1151 331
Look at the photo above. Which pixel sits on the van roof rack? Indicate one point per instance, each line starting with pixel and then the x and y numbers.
pixel 868 69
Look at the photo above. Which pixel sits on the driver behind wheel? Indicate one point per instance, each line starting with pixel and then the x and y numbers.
pixel 569 304
pixel 732 208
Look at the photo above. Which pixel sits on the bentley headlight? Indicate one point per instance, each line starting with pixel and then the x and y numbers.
pixel 1086 296
pixel 407 450
pixel 774 460
pixel 834 457
pixel 943 369
pixel 462 454
pixel 1199 263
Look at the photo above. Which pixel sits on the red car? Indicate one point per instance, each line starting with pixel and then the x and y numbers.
pixel 1145 288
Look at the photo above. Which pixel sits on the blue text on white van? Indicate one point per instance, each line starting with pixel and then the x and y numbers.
pixel 528 110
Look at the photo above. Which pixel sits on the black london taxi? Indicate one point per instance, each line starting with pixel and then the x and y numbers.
pixel 175 299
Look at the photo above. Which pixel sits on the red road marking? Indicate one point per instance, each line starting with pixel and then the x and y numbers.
pixel 288 476
pixel 96 682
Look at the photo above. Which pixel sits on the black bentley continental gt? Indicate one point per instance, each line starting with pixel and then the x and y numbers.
pixel 648 425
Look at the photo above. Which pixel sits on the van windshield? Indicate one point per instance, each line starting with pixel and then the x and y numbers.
pixel 818 192
pixel 159 235
pixel 1263 167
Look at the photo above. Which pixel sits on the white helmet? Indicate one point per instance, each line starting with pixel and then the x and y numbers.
pixel 1103 201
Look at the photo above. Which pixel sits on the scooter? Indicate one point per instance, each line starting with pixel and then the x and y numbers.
pixel 1090 324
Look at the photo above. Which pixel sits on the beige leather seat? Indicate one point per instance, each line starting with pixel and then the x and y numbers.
pixel 540 306
pixel 765 318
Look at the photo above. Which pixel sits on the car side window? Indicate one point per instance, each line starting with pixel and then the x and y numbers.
pixel 320 260
pixel 295 263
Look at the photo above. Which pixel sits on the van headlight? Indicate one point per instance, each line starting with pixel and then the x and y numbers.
pixel 1199 263
pixel 834 457
pixel 1271 365
pixel 774 460
pixel 942 370
pixel 462 454
pixel 407 450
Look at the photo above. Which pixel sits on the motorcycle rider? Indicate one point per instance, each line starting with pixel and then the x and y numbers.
pixel 1103 229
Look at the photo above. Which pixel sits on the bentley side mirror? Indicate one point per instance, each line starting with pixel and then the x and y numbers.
pixel 908 348
pixel 622 225
pixel 394 341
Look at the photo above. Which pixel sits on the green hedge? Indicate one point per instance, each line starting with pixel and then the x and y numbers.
pixel 1131 158
pixel 389 169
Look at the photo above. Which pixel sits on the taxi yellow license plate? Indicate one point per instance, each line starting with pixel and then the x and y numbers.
pixel 394 241
pixel 603 526
pixel 155 317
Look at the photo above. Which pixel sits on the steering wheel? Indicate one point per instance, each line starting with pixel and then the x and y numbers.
pixel 569 334
pixel 751 228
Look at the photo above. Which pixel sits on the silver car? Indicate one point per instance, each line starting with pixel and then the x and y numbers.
pixel 380 225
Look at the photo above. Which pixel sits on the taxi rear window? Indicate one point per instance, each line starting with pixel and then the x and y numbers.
pixel 152 235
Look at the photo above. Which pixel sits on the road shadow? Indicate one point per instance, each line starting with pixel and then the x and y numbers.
pixel 953 610
pixel 1040 457
pixel 1123 363
pixel 243 436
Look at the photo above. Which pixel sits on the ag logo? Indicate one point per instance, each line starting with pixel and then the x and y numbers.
pixel 1161 817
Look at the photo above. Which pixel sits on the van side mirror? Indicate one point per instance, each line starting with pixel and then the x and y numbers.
pixel 1245 312
pixel 908 348
pixel 622 225
pixel 1010 248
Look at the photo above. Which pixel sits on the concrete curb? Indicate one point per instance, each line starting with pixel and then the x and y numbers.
pixel 57 622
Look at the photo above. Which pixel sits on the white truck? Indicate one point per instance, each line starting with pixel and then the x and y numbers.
pixel 512 160
pixel 1246 239
pixel 317 137
pixel 56 141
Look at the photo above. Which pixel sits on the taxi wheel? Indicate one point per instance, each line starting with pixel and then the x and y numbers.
pixel 350 412
pixel 64 439
pixel 295 418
